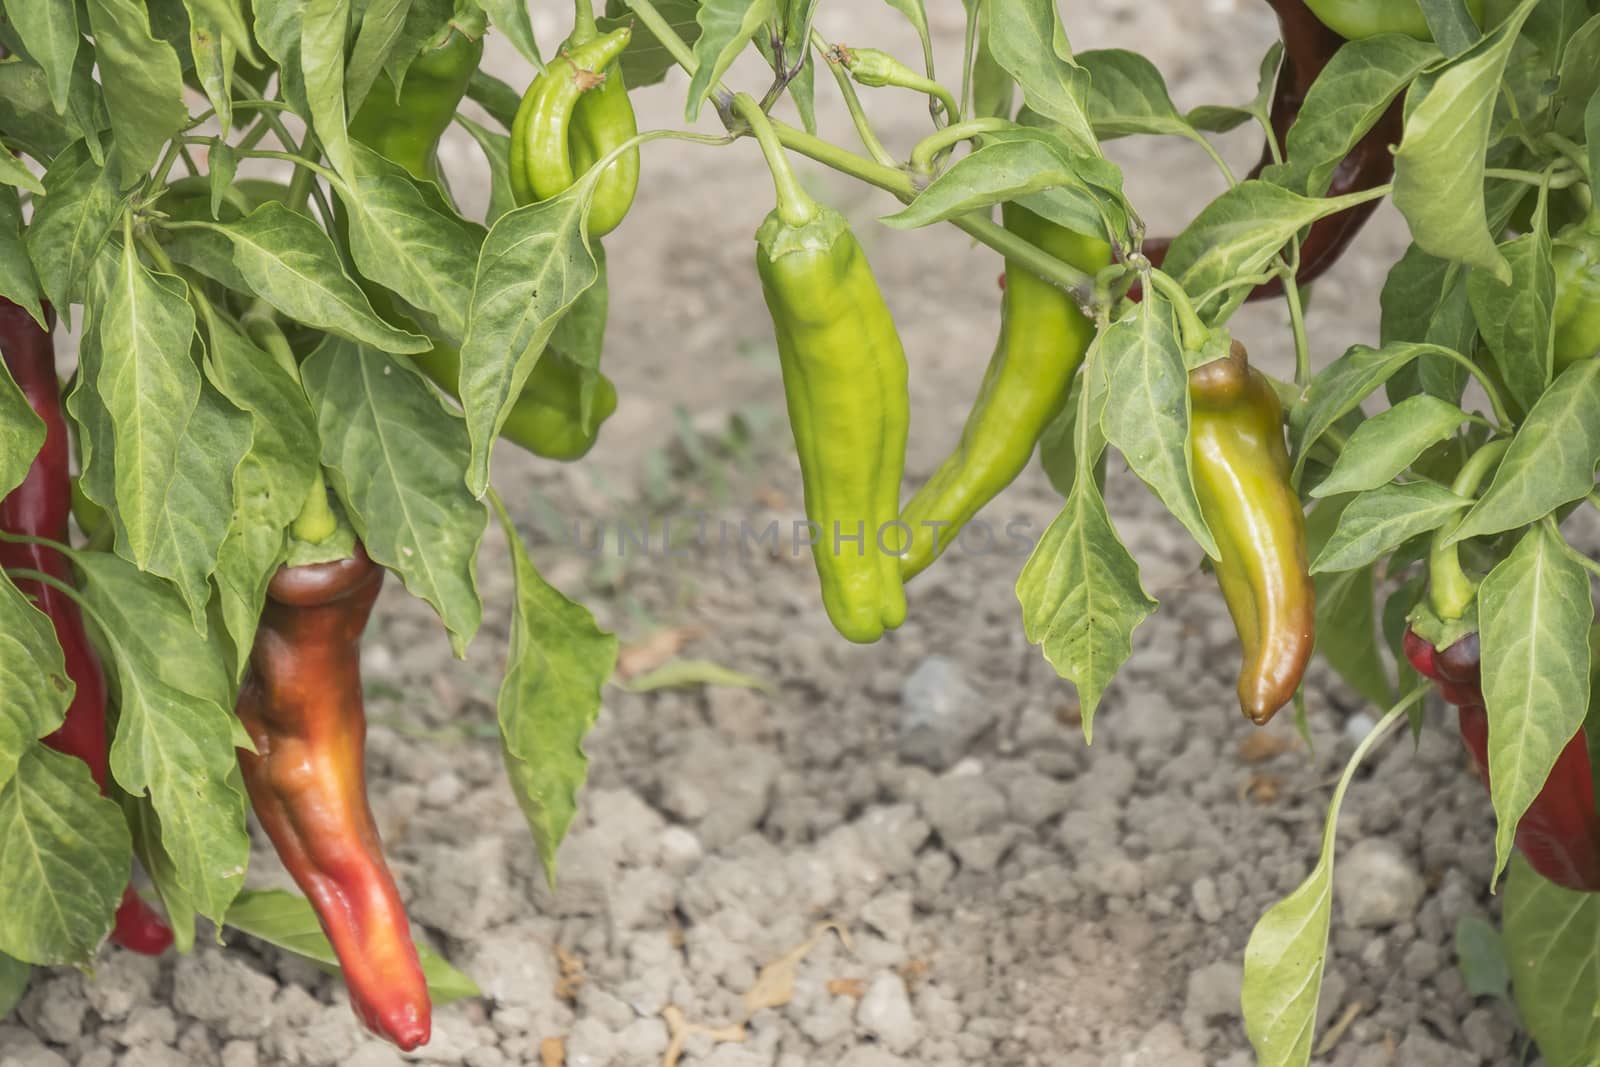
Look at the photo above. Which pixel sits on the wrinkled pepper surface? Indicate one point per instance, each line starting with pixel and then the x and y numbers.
pixel 406 128
pixel 301 703
pixel 845 384
pixel 1242 478
pixel 1560 832
pixel 39 508
pixel 1577 310
pixel 574 113
pixel 1356 20
pixel 1043 338
pixel 1308 46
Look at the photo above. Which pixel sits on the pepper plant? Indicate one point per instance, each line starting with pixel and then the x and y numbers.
pixel 285 390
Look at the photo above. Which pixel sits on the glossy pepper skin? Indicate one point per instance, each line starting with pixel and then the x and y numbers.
pixel 845 384
pixel 1357 20
pixel 1043 338
pixel 1308 46
pixel 407 130
pixel 547 418
pixel 1241 476
pixel 302 706
pixel 1577 310
pixel 39 508
pixel 1560 831
pixel 572 113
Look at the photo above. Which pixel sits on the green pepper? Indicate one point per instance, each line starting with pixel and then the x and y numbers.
pixel 845 384
pixel 573 113
pixel 1577 310
pixel 1356 20
pixel 1043 338
pixel 547 418
pixel 1241 477
pixel 406 127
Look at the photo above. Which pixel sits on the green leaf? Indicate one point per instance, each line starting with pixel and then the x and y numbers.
pixel 1439 168
pixel 1339 388
pixel 1482 956
pixel 1385 445
pixel 176 736
pixel 646 60
pixel 21 433
pixel 35 688
pixel 64 859
pixel 1146 413
pixel 382 25
pixel 1288 949
pixel 1384 519
pixel 534 264
pixel 49 31
pixel 29 117
pixel 288 921
pixel 1516 320
pixel 1027 39
pixel 1128 96
pixel 322 48
pixel 395 457
pixel 145 826
pixel 143 82
pixel 213 68
pixel 1000 171
pixel 291 264
pixel 279 27
pixel 686 673
pixel 150 387
pixel 404 241
pixel 1346 101
pixel 512 18
pixel 1534 611
pixel 1081 597
pixel 271 481
pixel 1552 935
pixel 1346 616
pixel 1238 235
pixel 70 225
pixel 726 26
pixel 14 976
pixel 556 662
pixel 1551 461
pixel 496 149
pixel 230 18
pixel 18 283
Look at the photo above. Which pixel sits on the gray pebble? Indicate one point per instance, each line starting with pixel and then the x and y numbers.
pixel 940 715
pixel 1377 885
pixel 885 1013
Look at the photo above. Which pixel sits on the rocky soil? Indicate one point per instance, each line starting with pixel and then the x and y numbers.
pixel 895 855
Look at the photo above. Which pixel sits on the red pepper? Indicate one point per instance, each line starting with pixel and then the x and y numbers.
pixel 301 704
pixel 39 508
pixel 1308 45
pixel 1560 831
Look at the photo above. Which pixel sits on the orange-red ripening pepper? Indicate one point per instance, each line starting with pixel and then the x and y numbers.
pixel 301 703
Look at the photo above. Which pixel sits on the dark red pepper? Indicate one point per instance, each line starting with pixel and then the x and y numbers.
pixel 1308 45
pixel 1560 831
pixel 39 508
pixel 302 706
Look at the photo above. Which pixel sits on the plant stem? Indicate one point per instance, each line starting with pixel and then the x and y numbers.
pixel 583 20
pixel 1450 590
pixel 662 30
pixel 316 521
pixel 852 101
pixel 795 205
pixel 1194 331
pixel 923 155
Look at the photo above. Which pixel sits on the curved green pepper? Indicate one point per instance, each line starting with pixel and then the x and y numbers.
pixel 1043 338
pixel 1356 20
pixel 1241 477
pixel 1577 309
pixel 572 114
pixel 406 127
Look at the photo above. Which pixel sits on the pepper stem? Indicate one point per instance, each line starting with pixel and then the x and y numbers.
pixel 316 521
pixel 1194 331
pixel 583 24
pixel 795 206
pixel 928 149
pixel 1450 589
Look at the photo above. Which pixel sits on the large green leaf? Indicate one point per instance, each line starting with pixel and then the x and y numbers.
pixel 1552 937
pixel 34 686
pixel 726 27
pixel 143 82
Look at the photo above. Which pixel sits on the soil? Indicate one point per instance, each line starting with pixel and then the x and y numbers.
pixel 970 883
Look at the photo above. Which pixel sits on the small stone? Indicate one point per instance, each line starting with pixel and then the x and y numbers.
pixel 730 1055
pixel 1488 1033
pixel 150 1025
pixel 729 804
pixel 1377 886
pixel 98 1057
pixel 240 1054
pixel 122 980
pixel 1207 905
pixel 590 1044
pixel 1163 1047
pixel 885 1013
pixel 643 1041
pixel 960 807
pixel 223 991
pixel 444 791
pixel 941 714
pixel 55 1008
pixel 681 851
pixel 1422 960
pixel 1036 798
pixel 1420 1050
pixel 1214 990
pixel 154 1056
pixel 374 1054
pixel 889 914
pixel 983 853
pixel 934 871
